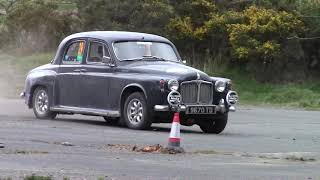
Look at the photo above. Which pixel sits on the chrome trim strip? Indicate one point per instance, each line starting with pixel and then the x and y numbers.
pixel 89 111
pixel 183 108
pixel 161 108
pixel 221 107
pixel 22 94
pixel 193 81
pixel 232 109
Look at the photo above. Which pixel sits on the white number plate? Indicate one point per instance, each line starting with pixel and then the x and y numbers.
pixel 201 110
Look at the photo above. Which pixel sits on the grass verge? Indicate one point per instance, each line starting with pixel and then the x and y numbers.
pixel 25 63
pixel 13 71
pixel 35 177
pixel 290 95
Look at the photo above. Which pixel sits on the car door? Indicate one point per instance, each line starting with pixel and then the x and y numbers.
pixel 96 77
pixel 69 75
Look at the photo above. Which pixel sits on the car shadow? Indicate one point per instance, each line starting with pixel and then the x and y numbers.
pixel 167 129
pixel 84 121
pixel 96 122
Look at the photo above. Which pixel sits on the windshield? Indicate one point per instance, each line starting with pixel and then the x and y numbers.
pixel 144 50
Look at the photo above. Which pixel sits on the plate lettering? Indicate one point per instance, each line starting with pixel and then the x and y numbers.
pixel 200 110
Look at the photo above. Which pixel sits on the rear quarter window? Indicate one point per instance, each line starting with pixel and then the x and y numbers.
pixel 74 53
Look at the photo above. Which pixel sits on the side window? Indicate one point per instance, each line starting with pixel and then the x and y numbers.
pixel 74 53
pixel 96 52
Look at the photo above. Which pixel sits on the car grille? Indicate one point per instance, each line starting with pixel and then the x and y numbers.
pixel 196 92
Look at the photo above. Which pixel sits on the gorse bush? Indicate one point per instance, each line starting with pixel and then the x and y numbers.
pixel 261 32
pixel 261 39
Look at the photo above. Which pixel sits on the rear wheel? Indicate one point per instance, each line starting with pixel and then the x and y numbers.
pixel 135 112
pixel 41 104
pixel 214 126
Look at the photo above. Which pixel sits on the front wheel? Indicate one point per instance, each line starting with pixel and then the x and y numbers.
pixel 214 126
pixel 41 104
pixel 135 112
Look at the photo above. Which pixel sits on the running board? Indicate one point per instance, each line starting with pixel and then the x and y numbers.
pixel 85 111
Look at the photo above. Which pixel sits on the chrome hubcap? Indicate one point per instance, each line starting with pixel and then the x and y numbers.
pixel 42 102
pixel 135 111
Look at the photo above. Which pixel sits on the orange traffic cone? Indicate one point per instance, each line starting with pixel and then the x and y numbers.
pixel 174 139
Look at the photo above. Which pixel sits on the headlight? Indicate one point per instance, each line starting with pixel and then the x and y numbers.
pixel 220 86
pixel 232 98
pixel 174 98
pixel 173 85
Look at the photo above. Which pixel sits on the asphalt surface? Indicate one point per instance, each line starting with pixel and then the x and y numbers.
pixel 259 143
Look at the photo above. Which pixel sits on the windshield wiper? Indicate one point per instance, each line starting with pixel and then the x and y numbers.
pixel 146 58
pixel 155 57
pixel 132 59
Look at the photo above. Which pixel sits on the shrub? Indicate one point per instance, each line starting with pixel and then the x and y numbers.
pixel 260 39
pixel 36 25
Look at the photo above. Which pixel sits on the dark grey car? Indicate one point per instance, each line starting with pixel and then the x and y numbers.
pixel 135 79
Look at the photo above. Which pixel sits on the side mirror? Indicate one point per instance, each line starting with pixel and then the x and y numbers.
pixel 107 60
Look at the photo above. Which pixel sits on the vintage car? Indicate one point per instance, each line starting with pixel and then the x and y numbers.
pixel 134 79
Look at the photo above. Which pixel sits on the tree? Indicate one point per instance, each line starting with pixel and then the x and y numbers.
pixel 133 15
pixel 187 29
pixel 309 11
pixel 261 37
pixel 152 16
pixel 37 24
pixel 8 5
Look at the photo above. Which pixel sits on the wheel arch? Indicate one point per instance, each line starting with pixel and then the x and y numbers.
pixel 129 89
pixel 32 89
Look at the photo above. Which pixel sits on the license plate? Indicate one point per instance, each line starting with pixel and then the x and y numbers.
pixel 201 110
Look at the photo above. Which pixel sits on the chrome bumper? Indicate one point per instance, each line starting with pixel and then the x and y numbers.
pixel 22 94
pixel 219 108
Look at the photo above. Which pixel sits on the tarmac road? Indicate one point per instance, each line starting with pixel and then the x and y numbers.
pixel 259 143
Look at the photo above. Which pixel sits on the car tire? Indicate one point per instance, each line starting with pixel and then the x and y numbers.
pixel 215 126
pixel 135 112
pixel 41 104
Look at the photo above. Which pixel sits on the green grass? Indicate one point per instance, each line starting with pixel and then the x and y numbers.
pixel 13 71
pixel 251 92
pixel 26 63
pixel 67 6
pixel 23 64
pixel 35 177
pixel 2 19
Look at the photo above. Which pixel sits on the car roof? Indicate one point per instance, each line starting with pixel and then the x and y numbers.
pixel 113 36
pixel 110 37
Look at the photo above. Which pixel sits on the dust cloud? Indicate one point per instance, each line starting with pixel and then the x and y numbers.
pixel 11 81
